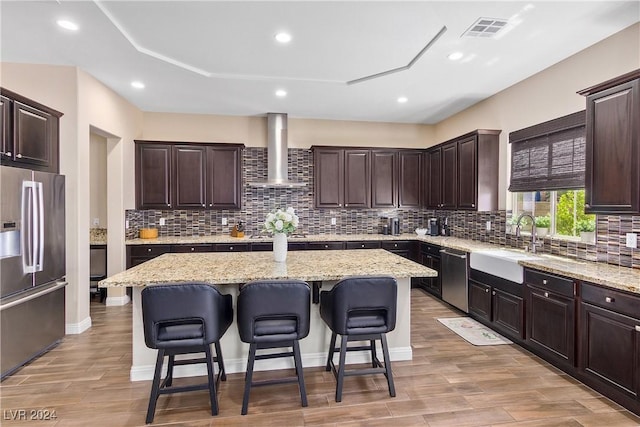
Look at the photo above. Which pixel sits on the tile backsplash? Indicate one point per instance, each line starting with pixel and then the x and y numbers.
pixel 257 202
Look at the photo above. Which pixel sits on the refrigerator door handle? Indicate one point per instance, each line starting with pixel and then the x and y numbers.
pixel 13 302
pixel 33 218
pixel 26 220
pixel 39 234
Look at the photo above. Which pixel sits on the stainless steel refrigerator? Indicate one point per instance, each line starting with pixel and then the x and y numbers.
pixel 32 265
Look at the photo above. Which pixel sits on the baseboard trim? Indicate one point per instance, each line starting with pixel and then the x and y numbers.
pixel 113 301
pixel 77 328
pixel 145 372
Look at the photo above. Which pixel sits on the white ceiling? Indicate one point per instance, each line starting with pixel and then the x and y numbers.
pixel 221 57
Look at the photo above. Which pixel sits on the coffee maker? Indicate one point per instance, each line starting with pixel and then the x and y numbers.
pixel 394 226
pixel 433 227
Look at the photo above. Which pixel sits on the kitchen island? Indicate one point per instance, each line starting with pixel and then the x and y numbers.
pixel 228 271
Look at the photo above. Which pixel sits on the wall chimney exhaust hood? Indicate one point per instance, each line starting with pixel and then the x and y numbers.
pixel 277 157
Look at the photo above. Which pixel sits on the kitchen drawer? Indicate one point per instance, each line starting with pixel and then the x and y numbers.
pixel 149 250
pixel 191 248
pixel 432 250
pixel 369 244
pixel 325 245
pixel 613 300
pixel 396 245
pixel 231 247
pixel 557 284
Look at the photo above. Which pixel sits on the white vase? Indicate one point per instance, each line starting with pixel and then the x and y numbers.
pixel 280 247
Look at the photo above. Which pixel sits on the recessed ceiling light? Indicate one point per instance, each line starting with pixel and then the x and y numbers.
pixel 402 99
pixel 280 93
pixel 137 84
pixel 67 25
pixel 283 37
pixel 455 56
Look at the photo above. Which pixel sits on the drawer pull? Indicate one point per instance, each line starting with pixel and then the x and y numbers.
pixel 395 245
pixel 544 281
pixel 19 155
pixel 149 250
pixel 193 249
pixel 546 294
pixel 609 299
pixel 230 248
pixel 326 246
pixel 363 245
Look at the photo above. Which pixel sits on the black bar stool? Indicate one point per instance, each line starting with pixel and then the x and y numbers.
pixel 185 318
pixel 360 309
pixel 273 314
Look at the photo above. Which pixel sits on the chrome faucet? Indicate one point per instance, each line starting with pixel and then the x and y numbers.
pixel 533 231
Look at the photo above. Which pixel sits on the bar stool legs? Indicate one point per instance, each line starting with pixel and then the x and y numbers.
pixel 376 366
pixel 248 379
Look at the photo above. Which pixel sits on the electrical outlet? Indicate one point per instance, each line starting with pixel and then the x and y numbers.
pixel 224 221
pixel 333 221
pixel 96 221
pixel 126 223
pixel 162 221
pixel 488 226
pixel 632 240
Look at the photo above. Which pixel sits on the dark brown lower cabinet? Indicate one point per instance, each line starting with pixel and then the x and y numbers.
pixel 498 303
pixel 430 257
pixel 137 254
pixel 551 317
pixel 610 343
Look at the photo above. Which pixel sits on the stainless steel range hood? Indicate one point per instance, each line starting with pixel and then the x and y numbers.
pixel 277 156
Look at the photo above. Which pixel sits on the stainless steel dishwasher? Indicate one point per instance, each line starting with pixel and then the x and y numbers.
pixel 455 278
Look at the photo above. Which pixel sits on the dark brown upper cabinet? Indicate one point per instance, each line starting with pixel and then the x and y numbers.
pixel 154 180
pixel 409 182
pixel 463 172
pixel 29 133
pixel 612 179
pixel 188 175
pixel 342 177
pixel 384 176
pixel 224 177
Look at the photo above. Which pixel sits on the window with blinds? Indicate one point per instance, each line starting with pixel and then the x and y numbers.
pixel 549 156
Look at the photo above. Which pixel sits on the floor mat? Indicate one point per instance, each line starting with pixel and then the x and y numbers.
pixel 473 331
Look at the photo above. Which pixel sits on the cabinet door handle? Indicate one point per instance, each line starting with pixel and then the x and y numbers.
pixel 19 155
pixel 544 282
pixel 493 293
pixel 346 204
pixel 546 294
pixel 473 205
pixel 8 154
pixel 637 328
pixel 609 299
pixel 587 205
pixel 486 290
pixel 210 204
pixel 340 204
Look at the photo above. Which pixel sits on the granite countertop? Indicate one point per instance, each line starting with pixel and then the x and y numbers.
pixel 98 236
pixel 622 278
pixel 240 267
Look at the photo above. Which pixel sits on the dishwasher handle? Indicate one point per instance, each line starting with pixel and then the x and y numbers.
pixel 445 252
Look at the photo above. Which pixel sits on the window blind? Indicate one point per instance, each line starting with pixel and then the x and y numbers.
pixel 549 155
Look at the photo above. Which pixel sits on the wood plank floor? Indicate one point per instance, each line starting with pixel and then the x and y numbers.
pixel 449 382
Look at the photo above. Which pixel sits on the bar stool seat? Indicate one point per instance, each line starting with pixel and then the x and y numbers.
pixel 273 314
pixel 185 318
pixel 360 309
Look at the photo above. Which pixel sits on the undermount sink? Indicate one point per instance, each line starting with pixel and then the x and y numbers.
pixel 501 262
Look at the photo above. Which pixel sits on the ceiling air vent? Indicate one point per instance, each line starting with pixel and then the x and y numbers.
pixel 486 27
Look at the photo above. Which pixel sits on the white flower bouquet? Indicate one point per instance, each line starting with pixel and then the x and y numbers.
pixel 281 221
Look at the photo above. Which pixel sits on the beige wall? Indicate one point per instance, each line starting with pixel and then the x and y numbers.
pixel 302 133
pixel 88 106
pixel 546 95
pixel 98 179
